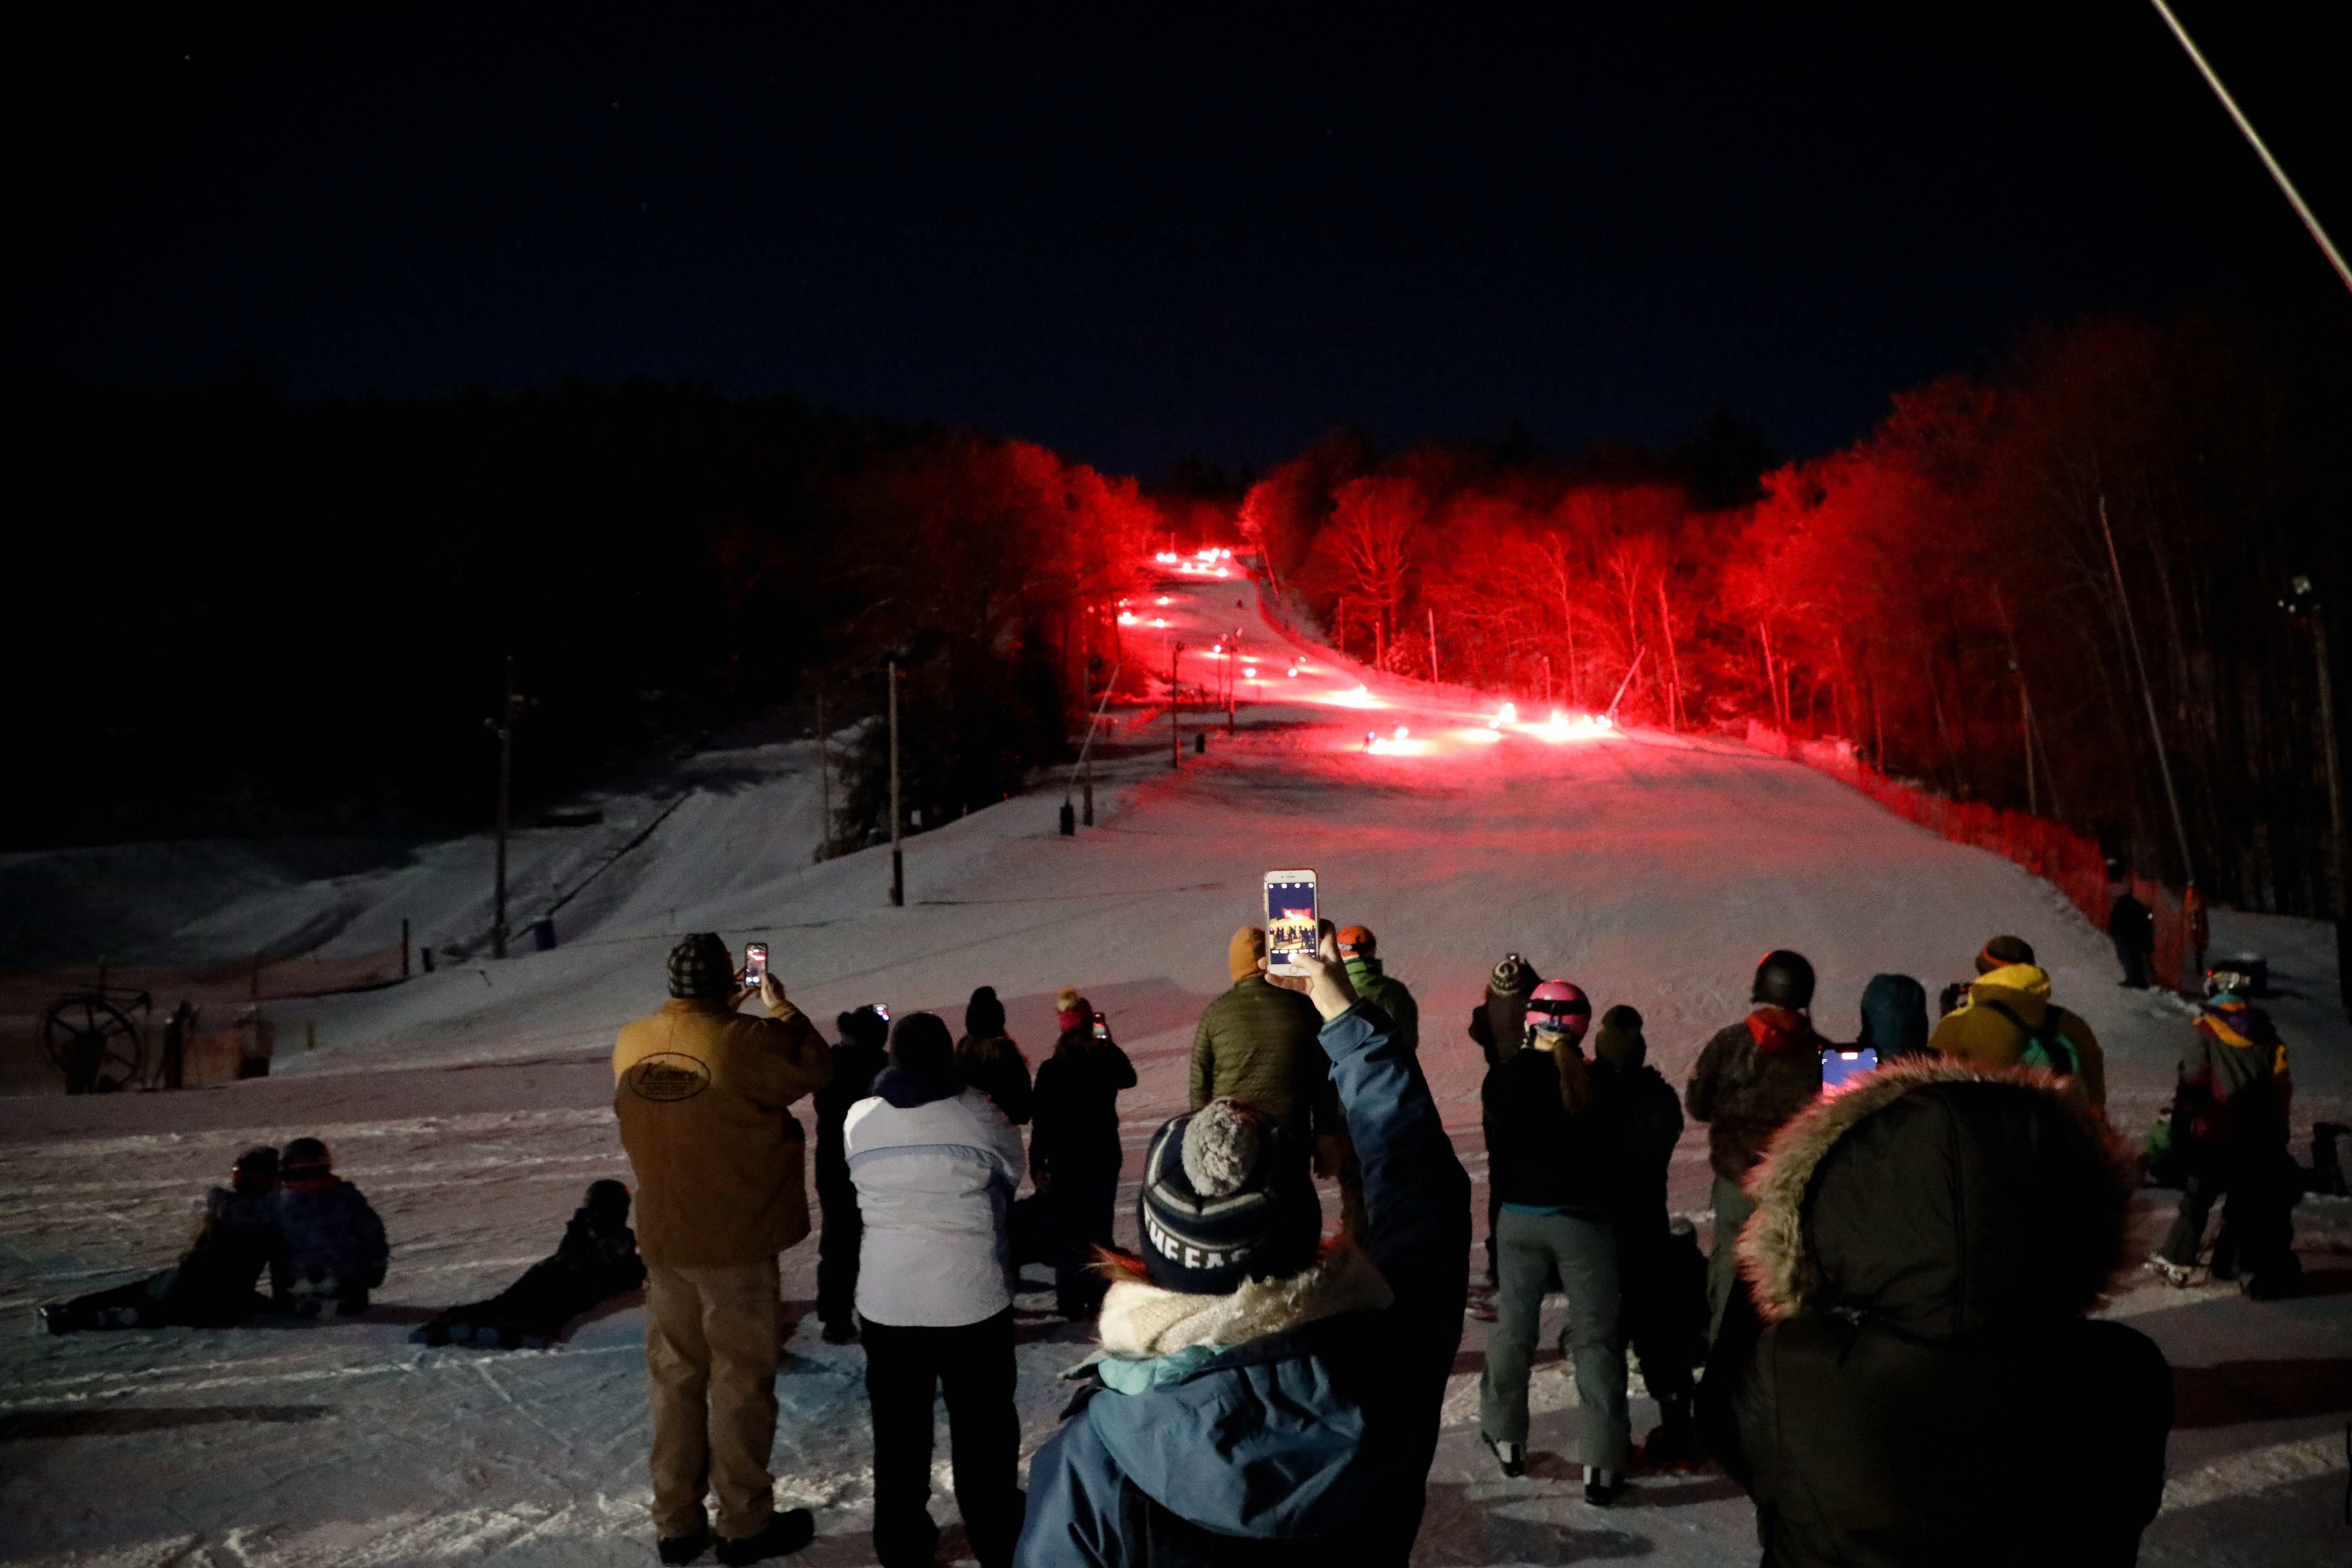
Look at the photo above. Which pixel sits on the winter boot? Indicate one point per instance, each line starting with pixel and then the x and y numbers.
pixel 1674 1444
pixel 1602 1487
pixel 682 1549
pixel 1511 1456
pixel 785 1531
pixel 2326 1165
pixel 2177 1274
pixel 841 1333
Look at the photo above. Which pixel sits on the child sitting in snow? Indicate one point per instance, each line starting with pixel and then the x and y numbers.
pixel 597 1260
pixel 212 1286
pixel 335 1250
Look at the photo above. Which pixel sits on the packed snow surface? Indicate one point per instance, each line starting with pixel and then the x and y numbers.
pixel 472 1105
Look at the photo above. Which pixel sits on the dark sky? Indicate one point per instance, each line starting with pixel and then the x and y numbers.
pixel 1137 239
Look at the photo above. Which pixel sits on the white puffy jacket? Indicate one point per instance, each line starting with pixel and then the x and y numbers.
pixel 934 1181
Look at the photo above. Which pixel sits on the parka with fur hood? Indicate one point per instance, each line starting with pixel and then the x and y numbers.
pixel 1922 1386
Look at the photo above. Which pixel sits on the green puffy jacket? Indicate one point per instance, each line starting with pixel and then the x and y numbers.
pixel 1388 993
pixel 1258 1042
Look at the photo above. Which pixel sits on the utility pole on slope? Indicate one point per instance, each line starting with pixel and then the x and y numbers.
pixel 897 861
pixel 1175 734
pixel 509 704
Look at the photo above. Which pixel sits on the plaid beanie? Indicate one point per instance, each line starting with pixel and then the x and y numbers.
pixel 2002 952
pixel 1620 1041
pixel 1224 1200
pixel 701 968
pixel 305 1157
pixel 1515 976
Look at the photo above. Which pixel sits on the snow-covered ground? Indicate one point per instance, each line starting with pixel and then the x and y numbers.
pixel 472 1105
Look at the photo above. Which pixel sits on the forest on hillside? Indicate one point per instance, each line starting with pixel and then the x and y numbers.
pixel 1943 591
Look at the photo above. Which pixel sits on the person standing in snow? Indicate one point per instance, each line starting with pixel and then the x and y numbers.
pixel 1750 1079
pixel 1659 1272
pixel 211 1287
pixel 1361 949
pixel 1893 1017
pixel 335 1250
pixel 2008 1019
pixel 1554 1151
pixel 700 1092
pixel 988 1060
pixel 935 1163
pixel 2231 1119
pixel 864 1033
pixel 1256 1043
pixel 1926 1247
pixel 2131 926
pixel 596 1261
pixel 1259 1398
pixel 1496 1025
pixel 1074 1148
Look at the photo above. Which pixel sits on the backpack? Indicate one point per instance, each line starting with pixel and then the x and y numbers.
pixel 2044 1047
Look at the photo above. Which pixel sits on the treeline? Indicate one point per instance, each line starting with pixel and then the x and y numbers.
pixel 238 615
pixel 1942 593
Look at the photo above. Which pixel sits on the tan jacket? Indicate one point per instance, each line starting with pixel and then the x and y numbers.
pixel 1975 1031
pixel 700 1092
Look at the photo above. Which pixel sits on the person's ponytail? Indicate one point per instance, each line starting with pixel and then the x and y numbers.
pixel 1575 1082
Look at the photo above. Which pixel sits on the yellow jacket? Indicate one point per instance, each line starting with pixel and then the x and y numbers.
pixel 1976 1031
pixel 700 1092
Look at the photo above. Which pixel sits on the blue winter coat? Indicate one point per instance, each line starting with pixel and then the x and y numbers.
pixel 1310 1445
pixel 331 1234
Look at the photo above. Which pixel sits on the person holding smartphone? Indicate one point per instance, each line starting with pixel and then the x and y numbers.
pixel 1074 1148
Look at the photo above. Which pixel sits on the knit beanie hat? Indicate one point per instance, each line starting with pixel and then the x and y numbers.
pixel 2004 950
pixel 607 1200
pixel 1620 1041
pixel 1515 976
pixel 305 1157
pixel 701 968
pixel 255 1170
pixel 1224 1200
pixel 864 1027
pixel 1070 1009
pixel 983 1016
pixel 1242 953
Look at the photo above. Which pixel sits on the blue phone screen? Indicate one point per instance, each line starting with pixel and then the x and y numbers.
pixel 1841 1068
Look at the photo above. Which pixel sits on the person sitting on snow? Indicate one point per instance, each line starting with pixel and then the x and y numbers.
pixel 213 1284
pixel 335 1250
pixel 596 1261
pixel 1260 1397
pixel 2008 1020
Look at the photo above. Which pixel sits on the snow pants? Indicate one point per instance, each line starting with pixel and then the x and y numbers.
pixel 2257 1237
pixel 907 1370
pixel 711 1348
pixel 1663 1308
pixel 836 1254
pixel 1082 1210
pixel 1529 1248
pixel 1732 1207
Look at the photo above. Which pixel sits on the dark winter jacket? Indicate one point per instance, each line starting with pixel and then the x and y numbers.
pixel 1539 1154
pixel 2234 1084
pixel 1499 1023
pixel 854 1066
pixel 1256 1043
pixel 237 1239
pixel 331 1234
pixel 1310 1445
pixel 1392 996
pixel 1648 1116
pixel 996 1067
pixel 1894 1017
pixel 2132 924
pixel 596 1261
pixel 1924 1250
pixel 1749 1080
pixel 1076 1138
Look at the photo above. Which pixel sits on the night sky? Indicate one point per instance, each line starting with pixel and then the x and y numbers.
pixel 1138 239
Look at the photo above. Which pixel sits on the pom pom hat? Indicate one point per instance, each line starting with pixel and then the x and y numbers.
pixel 701 968
pixel 1225 1202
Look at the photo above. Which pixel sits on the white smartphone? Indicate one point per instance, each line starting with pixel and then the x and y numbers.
pixel 1292 926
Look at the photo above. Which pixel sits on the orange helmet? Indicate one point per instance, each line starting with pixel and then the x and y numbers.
pixel 1357 942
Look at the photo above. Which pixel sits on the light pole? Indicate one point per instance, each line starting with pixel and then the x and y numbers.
pixel 1175 736
pixel 511 703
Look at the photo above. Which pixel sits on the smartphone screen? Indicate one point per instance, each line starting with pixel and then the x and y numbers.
pixel 1102 1027
pixel 755 961
pixel 1290 920
pixel 1842 1069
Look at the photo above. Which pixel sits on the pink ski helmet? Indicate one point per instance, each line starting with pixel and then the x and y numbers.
pixel 1557 1004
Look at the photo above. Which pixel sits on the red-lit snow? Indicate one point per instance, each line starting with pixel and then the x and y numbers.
pixel 471 1104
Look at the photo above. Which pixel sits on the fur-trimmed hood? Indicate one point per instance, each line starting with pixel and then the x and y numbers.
pixel 1938 1196
pixel 1141 1319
